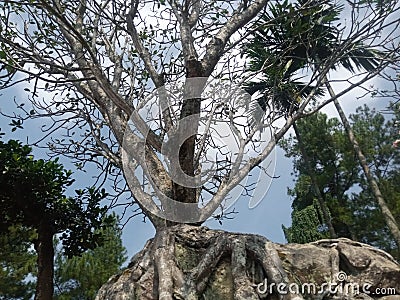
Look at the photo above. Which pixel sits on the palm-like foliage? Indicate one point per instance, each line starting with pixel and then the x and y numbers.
pixel 293 38
pixel 286 94
pixel 293 33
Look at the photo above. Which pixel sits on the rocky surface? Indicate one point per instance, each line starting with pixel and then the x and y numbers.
pixel 188 262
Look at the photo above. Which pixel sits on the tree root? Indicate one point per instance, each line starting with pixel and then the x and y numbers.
pixel 188 262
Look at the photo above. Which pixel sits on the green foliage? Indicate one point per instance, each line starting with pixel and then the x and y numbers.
pixel 376 134
pixel 340 179
pixel 17 261
pixel 305 34
pixel 369 226
pixel 334 166
pixel 294 37
pixel 32 191
pixel 305 227
pixel 81 277
pixel 299 29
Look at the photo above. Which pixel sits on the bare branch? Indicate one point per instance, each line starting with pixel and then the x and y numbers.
pixel 215 48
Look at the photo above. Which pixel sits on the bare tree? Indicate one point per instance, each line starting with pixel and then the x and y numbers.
pixel 154 86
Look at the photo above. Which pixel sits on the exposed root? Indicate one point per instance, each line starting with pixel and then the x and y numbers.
pixel 241 280
pixel 164 260
pixel 219 244
pixel 265 252
pixel 208 262
pixel 193 263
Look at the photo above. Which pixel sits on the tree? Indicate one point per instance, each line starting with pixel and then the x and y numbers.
pixel 17 262
pixel 355 214
pixel 314 39
pixel 375 134
pixel 335 172
pixel 100 63
pixel 287 93
pixel 306 226
pixel 387 214
pixel 80 277
pixel 32 195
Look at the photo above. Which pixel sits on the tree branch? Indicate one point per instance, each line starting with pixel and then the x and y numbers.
pixel 215 48
pixel 142 51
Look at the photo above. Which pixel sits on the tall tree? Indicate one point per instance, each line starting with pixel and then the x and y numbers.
pixel 387 214
pixel 80 277
pixel 149 82
pixel 375 133
pixel 287 93
pixel 32 195
pixel 355 214
pixel 314 38
pixel 335 171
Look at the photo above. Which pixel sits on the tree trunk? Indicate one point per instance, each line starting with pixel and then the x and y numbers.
pixel 45 262
pixel 387 214
pixel 191 108
pixel 189 262
pixel 326 216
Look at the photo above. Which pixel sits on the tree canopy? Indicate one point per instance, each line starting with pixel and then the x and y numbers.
pixel 32 196
pixel 354 212
pixel 33 191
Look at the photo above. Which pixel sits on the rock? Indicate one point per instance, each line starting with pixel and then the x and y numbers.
pixel 188 262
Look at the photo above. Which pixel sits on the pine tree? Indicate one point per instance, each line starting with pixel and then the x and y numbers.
pixel 18 264
pixel 80 277
pixel 354 212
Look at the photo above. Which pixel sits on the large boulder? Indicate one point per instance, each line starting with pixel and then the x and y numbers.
pixel 188 262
